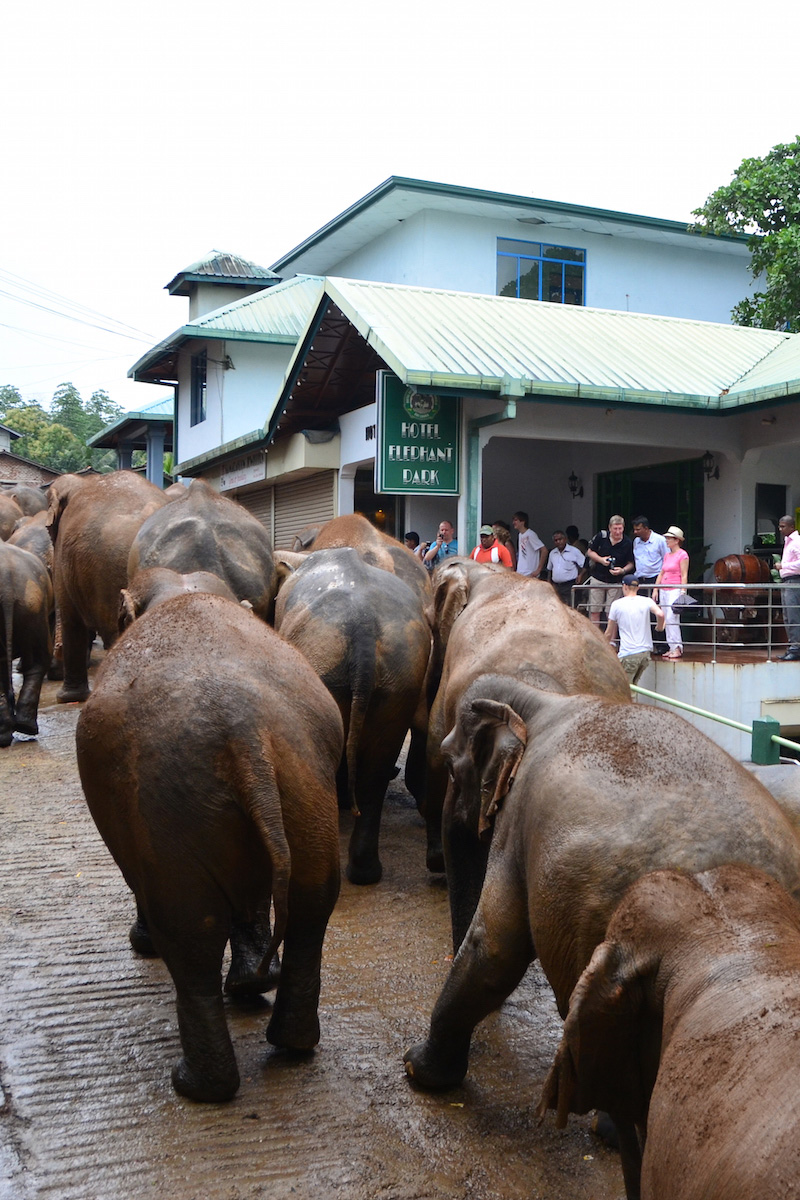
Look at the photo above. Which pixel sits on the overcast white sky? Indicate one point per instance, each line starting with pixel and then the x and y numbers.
pixel 137 138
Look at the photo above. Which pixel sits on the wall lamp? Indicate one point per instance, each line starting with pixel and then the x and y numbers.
pixel 575 486
pixel 710 468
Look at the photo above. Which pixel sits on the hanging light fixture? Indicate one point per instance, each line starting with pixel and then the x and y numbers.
pixel 710 467
pixel 575 486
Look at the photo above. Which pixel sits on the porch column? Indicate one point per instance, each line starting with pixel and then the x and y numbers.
pixel 155 455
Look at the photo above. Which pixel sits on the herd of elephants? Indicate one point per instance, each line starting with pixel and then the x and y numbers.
pixel 248 693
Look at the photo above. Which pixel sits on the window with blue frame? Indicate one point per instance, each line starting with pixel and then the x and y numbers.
pixel 199 374
pixel 534 271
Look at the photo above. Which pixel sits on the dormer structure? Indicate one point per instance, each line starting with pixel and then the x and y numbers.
pixel 218 280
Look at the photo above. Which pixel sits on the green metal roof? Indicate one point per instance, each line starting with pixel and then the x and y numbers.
pixel 278 314
pixel 160 412
pixel 398 198
pixel 220 267
pixel 472 342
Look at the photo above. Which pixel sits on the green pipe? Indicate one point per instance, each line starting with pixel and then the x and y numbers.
pixel 756 731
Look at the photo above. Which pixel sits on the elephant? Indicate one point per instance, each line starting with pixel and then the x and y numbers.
pixel 375 547
pixel 30 499
pixel 10 513
pixel 365 634
pixel 204 531
pixel 154 585
pixel 208 754
pixel 579 796
pixel 684 1027
pixel 92 522
pixel 31 534
pixel 26 600
pixel 487 619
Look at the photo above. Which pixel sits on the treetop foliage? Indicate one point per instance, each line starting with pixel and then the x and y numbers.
pixel 57 439
pixel 763 200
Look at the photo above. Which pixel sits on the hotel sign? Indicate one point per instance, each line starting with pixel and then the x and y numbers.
pixel 249 469
pixel 418 441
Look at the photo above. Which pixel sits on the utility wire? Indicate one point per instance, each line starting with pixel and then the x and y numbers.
pixel 55 297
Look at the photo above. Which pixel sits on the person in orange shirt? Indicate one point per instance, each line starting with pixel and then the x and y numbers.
pixel 490 550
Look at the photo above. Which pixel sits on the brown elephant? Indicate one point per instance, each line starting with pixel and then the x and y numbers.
pixel 365 634
pixel 684 1027
pixel 26 601
pixel 10 513
pixel 208 755
pixel 154 585
pixel 30 499
pixel 376 548
pixel 487 619
pixel 584 796
pixel 204 531
pixel 92 522
pixel 31 534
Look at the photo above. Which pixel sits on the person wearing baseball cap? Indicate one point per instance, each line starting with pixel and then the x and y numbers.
pixel 629 620
pixel 490 550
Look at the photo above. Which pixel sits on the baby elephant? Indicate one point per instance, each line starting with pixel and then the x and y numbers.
pixel 208 755
pixel 685 1027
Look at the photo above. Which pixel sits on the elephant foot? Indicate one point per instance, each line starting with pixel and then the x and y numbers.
pixel 243 981
pixel 604 1128
pixel 27 725
pixel 290 1033
pixel 434 860
pixel 141 941
pixel 364 873
pixel 205 1089
pixel 6 737
pixel 435 1072
pixel 73 695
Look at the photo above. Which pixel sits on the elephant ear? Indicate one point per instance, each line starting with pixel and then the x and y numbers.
pixel 126 613
pixel 500 740
pixel 610 1046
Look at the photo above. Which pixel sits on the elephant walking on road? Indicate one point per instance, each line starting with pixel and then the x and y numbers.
pixel 208 755
pixel 685 1027
pixel 566 843
pixel 26 602
pixel 365 634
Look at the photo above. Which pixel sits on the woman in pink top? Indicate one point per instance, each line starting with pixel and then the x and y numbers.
pixel 670 584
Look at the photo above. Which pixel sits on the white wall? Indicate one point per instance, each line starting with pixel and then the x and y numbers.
pixel 702 279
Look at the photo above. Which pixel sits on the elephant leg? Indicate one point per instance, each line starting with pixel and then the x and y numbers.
pixel 6 719
pixel 488 966
pixel 207 1071
pixel 140 938
pixel 33 673
pixel 74 635
pixel 436 782
pixel 295 1017
pixel 415 766
pixel 249 942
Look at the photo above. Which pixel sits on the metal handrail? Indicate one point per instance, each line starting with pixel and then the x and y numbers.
pixel 756 618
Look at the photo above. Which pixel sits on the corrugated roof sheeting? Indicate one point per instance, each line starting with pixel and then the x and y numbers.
pixel 780 367
pixel 219 265
pixel 280 311
pixel 485 339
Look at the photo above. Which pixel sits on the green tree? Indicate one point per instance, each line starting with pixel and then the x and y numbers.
pixel 44 441
pixel 763 200
pixel 10 400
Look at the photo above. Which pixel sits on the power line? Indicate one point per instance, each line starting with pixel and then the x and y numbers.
pixel 52 297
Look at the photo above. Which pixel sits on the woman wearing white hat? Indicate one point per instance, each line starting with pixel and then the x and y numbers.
pixel 670 584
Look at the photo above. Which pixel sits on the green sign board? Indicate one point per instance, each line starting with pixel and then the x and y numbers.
pixel 418 441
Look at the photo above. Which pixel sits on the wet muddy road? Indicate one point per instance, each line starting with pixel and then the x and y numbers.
pixel 88 1036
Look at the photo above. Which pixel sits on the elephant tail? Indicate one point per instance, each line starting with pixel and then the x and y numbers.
pixel 363 683
pixel 262 803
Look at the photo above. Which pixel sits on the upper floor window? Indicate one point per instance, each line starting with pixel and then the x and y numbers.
pixel 198 409
pixel 533 271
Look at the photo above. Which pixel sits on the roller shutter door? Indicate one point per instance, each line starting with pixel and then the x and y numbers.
pixel 301 502
pixel 261 505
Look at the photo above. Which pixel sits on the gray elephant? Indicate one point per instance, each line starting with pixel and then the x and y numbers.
pixel 154 585
pixel 602 794
pixel 204 531
pixel 365 634
pixel 30 499
pixel 208 755
pixel 684 1027
pixel 26 601
pixel 10 513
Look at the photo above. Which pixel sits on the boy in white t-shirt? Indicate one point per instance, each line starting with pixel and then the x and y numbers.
pixel 530 547
pixel 629 619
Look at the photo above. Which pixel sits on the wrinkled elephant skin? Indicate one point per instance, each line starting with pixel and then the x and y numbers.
pixel 684 1028
pixel 584 796
pixel 92 523
pixel 365 634
pixel 208 755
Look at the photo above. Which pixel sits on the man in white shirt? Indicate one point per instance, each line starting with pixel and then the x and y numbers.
pixel 563 564
pixel 530 547
pixel 790 592
pixel 629 618
pixel 649 549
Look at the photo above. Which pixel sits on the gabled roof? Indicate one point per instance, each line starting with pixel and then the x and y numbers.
pixel 399 198
pixel 132 427
pixel 492 346
pixel 278 314
pixel 220 267
pixel 12 433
